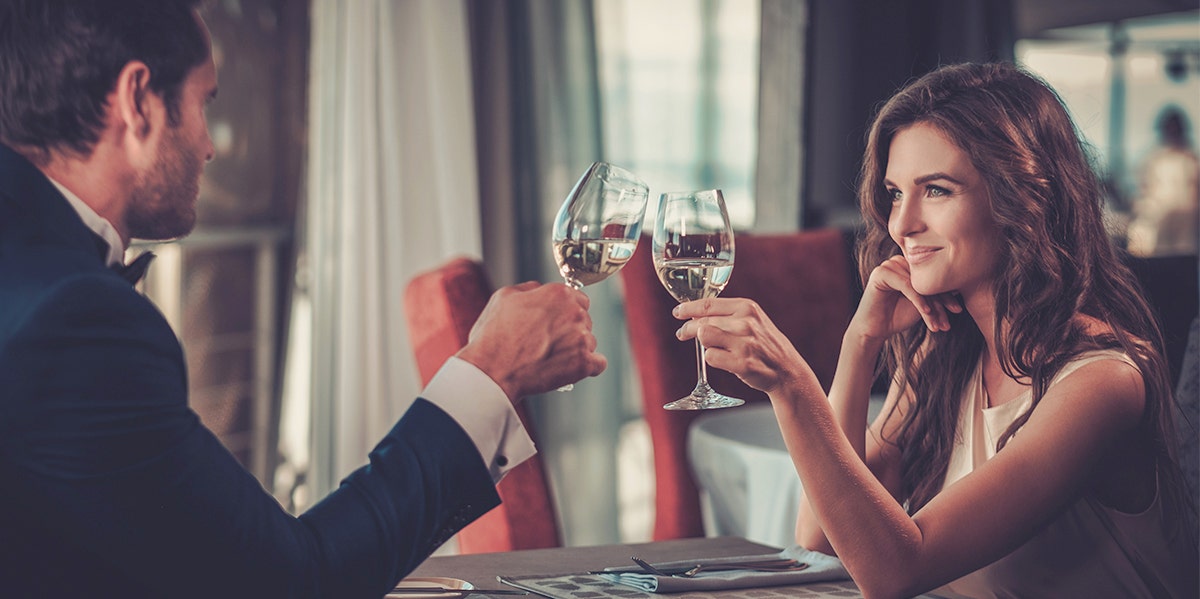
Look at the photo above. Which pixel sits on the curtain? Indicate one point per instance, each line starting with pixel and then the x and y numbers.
pixel 555 91
pixel 779 168
pixel 537 110
pixel 392 190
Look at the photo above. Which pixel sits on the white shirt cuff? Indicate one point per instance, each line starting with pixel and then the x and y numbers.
pixel 482 409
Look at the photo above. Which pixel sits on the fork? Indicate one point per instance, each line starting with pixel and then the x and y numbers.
pixel 796 567
pixel 647 566
pixel 768 566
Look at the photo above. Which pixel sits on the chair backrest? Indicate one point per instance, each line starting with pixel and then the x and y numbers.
pixel 441 305
pixel 805 283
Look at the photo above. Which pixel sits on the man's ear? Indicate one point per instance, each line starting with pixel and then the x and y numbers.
pixel 139 111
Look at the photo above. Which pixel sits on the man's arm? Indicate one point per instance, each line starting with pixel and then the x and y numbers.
pixel 106 456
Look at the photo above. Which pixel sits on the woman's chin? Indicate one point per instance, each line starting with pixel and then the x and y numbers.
pixel 927 287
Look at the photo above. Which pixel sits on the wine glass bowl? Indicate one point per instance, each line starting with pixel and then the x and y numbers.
pixel 598 225
pixel 693 253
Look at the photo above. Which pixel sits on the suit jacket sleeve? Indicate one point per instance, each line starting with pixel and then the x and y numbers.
pixel 105 457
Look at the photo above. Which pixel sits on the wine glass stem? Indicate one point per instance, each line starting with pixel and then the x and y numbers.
pixel 701 367
pixel 576 285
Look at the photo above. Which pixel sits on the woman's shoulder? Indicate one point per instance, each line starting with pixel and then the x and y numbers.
pixel 1101 378
pixel 1099 340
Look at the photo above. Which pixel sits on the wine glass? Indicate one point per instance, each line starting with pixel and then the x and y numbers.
pixel 693 256
pixel 597 227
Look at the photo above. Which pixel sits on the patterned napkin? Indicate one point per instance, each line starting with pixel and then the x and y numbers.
pixel 821 568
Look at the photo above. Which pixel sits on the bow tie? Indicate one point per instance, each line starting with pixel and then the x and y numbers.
pixel 134 271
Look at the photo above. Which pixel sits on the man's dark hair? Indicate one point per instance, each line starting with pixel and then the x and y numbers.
pixel 59 59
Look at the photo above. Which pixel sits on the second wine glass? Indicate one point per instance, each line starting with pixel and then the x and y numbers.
pixel 693 256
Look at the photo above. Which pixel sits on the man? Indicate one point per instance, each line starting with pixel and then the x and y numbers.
pixel 109 484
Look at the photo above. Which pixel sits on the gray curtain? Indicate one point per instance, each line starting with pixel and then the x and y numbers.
pixel 537 123
pixel 780 165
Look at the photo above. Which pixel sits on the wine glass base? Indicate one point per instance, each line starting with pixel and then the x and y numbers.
pixel 704 398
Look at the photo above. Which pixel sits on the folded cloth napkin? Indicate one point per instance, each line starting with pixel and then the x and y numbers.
pixel 821 568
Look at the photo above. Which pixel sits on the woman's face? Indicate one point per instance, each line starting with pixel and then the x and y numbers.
pixel 941 217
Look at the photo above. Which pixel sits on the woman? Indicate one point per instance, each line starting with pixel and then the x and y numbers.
pixel 1025 447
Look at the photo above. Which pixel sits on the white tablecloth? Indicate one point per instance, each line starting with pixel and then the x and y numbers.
pixel 748 485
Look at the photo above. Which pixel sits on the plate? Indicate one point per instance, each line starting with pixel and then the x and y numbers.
pixel 431 581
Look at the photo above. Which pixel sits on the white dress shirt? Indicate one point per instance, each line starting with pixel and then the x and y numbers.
pixel 97 223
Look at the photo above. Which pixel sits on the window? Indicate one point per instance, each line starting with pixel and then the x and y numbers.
pixel 1119 80
pixel 679 95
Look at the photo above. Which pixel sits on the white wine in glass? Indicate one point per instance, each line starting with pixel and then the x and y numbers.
pixel 598 226
pixel 693 256
pixel 588 262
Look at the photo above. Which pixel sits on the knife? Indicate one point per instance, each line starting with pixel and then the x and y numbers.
pixel 444 590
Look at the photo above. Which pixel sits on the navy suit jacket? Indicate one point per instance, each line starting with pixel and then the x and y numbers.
pixel 111 487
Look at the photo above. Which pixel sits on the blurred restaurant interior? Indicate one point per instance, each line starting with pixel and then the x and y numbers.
pixel 361 143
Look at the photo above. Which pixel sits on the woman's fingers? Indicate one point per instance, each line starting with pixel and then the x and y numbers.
pixel 712 306
pixel 740 338
pixel 718 312
pixel 893 276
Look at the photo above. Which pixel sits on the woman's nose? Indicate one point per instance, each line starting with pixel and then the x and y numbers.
pixel 906 218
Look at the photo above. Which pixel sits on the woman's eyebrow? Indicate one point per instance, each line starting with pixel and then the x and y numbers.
pixel 934 177
pixel 926 179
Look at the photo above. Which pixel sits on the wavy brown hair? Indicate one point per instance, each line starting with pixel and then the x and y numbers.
pixel 1056 262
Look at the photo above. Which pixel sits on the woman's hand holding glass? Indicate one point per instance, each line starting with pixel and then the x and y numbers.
pixel 742 339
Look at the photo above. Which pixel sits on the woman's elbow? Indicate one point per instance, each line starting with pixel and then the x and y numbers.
pixel 813 539
pixel 888 583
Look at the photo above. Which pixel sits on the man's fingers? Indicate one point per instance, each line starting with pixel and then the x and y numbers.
pixel 599 363
pixel 582 298
pixel 526 286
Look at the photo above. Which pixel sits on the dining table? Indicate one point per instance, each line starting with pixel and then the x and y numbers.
pixel 575 566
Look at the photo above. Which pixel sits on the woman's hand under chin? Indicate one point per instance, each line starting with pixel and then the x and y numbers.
pixel 890 304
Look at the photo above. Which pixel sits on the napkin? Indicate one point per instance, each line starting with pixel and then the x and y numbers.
pixel 821 568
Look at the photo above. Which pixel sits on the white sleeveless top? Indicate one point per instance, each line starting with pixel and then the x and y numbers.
pixel 1075 555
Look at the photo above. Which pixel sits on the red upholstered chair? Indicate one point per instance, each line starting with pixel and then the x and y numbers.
pixel 804 281
pixel 441 305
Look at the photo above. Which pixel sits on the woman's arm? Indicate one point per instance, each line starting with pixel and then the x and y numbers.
pixel 849 397
pixel 984 516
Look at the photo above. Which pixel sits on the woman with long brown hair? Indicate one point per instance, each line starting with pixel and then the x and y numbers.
pixel 1026 446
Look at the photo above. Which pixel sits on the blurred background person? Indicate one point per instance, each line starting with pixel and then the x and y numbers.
pixel 1166 213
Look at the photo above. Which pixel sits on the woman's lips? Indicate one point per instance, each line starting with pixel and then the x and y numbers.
pixel 920 254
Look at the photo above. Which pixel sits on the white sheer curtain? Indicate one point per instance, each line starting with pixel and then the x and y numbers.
pixel 392 190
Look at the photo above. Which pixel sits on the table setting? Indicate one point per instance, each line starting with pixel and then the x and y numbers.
pixel 721 567
pixel 686 577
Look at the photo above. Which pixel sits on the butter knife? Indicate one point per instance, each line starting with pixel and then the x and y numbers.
pixel 446 591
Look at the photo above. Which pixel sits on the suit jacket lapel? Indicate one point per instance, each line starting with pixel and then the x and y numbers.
pixel 32 211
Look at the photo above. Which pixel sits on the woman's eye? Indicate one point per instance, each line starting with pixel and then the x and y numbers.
pixel 936 192
pixel 895 194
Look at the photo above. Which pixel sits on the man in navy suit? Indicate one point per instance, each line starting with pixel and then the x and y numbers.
pixel 109 484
